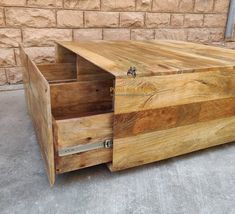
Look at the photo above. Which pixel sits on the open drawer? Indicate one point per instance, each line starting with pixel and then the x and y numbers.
pixel 82 123
pixel 71 105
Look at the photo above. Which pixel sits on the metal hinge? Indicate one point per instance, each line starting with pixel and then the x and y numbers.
pixel 86 147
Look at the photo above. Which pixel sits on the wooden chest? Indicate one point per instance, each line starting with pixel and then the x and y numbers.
pixel 128 103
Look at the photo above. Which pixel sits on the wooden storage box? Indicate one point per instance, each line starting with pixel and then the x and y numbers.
pixel 128 103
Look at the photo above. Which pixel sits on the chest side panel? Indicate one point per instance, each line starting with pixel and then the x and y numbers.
pixel 148 110
pixel 25 75
pixel 39 92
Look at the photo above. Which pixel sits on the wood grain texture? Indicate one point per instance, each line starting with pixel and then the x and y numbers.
pixel 86 67
pixel 79 98
pixel 25 76
pixel 214 52
pixel 139 122
pixel 77 131
pixel 151 58
pixel 160 91
pixel 182 100
pixel 82 110
pixel 41 114
pixel 58 71
pixel 86 71
pixel 84 130
pixel 63 55
pixel 154 146
pixel 83 160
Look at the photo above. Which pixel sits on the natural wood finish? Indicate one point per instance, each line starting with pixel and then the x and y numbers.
pixel 83 130
pixel 151 58
pixel 154 146
pixel 181 100
pixel 77 131
pixel 80 98
pixel 63 55
pixel 95 76
pixel 86 71
pixel 25 76
pixel 82 110
pixel 216 53
pixel 139 122
pixel 160 91
pixel 41 115
pixel 83 160
pixel 58 71
pixel 86 67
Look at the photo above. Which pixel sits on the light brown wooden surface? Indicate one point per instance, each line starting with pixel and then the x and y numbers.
pixel 25 75
pixel 58 71
pixel 63 55
pixel 83 130
pixel 41 115
pixel 139 122
pixel 78 131
pixel 78 98
pixel 154 146
pixel 160 91
pixel 83 160
pixel 151 58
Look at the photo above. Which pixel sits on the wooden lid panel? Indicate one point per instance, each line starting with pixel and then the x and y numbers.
pixel 152 58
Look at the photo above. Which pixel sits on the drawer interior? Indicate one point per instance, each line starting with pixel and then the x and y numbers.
pixel 58 72
pixel 81 98
pixel 82 110
pixel 78 88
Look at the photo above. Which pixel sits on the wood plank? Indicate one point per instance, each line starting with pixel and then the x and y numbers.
pixel 61 81
pixel 206 59
pixel 41 114
pixel 212 52
pixel 77 96
pixel 81 110
pixel 87 71
pixel 63 55
pixel 154 146
pixel 83 160
pixel 159 59
pixel 95 76
pixel 84 130
pixel 25 76
pixel 137 94
pixel 198 48
pixel 86 67
pixel 139 122
pixel 58 71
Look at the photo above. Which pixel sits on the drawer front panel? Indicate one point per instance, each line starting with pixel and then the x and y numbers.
pixel 83 160
pixel 82 139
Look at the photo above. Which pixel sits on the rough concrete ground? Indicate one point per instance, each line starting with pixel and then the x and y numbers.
pixel 202 182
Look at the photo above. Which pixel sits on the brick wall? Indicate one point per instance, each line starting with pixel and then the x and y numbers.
pixel 37 23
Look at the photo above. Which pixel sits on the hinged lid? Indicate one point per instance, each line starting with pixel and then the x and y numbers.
pixel 152 58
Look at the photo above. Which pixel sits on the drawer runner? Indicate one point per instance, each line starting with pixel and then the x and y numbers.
pixel 86 147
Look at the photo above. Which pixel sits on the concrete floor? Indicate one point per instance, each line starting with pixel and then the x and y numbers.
pixel 202 182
